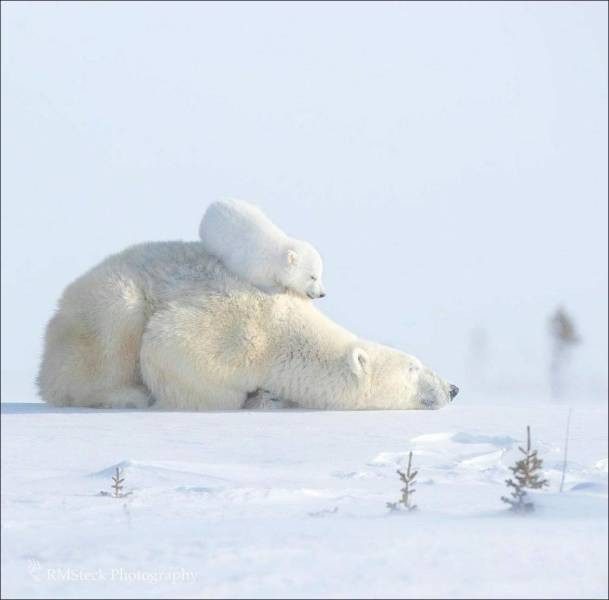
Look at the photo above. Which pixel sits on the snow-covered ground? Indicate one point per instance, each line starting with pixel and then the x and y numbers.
pixel 293 504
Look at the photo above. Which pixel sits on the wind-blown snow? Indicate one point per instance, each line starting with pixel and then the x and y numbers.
pixel 292 503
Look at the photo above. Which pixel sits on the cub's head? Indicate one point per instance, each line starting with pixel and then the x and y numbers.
pixel 302 270
pixel 392 379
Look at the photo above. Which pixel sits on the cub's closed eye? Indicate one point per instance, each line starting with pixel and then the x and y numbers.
pixel 313 278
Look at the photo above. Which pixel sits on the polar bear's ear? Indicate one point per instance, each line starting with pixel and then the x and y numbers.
pixel 359 361
pixel 291 257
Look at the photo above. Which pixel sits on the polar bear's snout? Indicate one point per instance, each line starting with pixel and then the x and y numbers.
pixel 316 292
pixel 453 391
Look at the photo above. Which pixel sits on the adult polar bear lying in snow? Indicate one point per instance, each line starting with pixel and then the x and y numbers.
pixel 167 319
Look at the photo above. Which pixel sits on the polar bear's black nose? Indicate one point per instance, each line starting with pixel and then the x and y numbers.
pixel 454 390
pixel 322 295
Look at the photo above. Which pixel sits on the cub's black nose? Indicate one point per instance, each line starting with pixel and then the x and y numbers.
pixel 454 390
pixel 322 295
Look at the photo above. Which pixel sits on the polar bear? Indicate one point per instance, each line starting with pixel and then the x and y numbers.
pixel 255 249
pixel 168 321
pixel 92 342
pixel 209 351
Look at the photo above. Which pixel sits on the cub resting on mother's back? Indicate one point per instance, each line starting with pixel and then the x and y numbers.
pixel 168 320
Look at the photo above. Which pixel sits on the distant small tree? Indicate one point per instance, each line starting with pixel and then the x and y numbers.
pixel 564 337
pixel 405 502
pixel 527 475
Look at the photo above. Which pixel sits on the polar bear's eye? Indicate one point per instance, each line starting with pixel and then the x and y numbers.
pixel 313 278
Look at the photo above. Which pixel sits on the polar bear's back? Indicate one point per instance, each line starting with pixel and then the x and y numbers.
pixel 244 239
pixel 167 270
pixel 92 343
pixel 159 271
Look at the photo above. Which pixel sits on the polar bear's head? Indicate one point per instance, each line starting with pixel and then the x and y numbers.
pixel 302 270
pixel 394 379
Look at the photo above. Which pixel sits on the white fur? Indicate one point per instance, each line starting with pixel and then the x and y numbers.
pixel 92 343
pixel 167 318
pixel 256 250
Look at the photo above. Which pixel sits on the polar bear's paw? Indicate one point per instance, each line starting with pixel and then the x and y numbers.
pixel 265 400
pixel 260 399
pixel 131 397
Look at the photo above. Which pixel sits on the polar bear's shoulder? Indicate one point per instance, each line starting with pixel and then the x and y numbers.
pixel 162 252
pixel 167 270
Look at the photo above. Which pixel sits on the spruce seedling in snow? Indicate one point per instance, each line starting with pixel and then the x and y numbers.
pixel 405 502
pixel 117 486
pixel 526 474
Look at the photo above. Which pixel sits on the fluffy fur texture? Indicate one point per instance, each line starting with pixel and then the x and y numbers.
pixel 256 250
pixel 168 318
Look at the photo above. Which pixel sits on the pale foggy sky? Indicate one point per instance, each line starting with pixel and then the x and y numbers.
pixel 448 160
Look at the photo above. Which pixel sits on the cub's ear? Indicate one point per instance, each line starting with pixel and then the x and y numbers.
pixel 291 257
pixel 358 361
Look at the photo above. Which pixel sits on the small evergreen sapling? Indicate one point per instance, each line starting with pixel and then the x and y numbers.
pixel 405 502
pixel 117 485
pixel 526 474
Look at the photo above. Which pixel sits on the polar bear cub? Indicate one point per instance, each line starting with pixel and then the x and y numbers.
pixel 255 249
